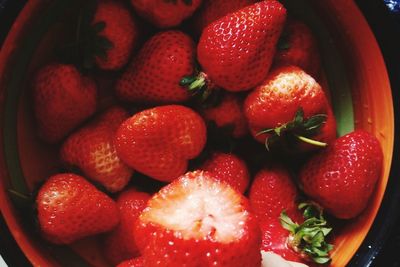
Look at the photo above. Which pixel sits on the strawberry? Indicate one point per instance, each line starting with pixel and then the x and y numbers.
pixel 228 168
pixel 275 239
pixel 117 31
pixel 70 208
pixel 120 245
pixel 273 199
pixel 92 149
pixel 228 113
pixel 290 106
pixel 155 73
pixel 158 142
pixel 62 100
pixel 342 177
pixel 198 221
pixel 211 10
pixel 271 192
pixel 165 13
pixel 236 51
pixel 298 47
pixel 135 262
pixel 304 242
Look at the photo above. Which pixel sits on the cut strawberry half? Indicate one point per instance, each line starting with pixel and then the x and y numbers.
pixel 198 221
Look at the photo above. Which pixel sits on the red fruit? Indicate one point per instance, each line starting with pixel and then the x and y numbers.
pixel 136 262
pixel 120 30
pixel 120 244
pixel 92 149
pixel 342 177
pixel 236 51
pixel 211 10
pixel 275 239
pixel 165 13
pixel 63 99
pixel 273 191
pixel 70 208
pixel 229 113
pixel 228 168
pixel 289 103
pixel 155 73
pixel 298 47
pixel 158 142
pixel 198 221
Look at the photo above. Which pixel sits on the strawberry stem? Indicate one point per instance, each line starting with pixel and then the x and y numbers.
pixel 19 195
pixel 311 141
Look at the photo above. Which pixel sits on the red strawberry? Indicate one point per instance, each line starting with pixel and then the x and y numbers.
pixel 165 13
pixel 291 106
pixel 70 208
pixel 158 142
pixel 211 10
pixel 119 30
pixel 236 51
pixel 155 73
pixel 120 244
pixel 198 221
pixel 228 168
pixel 298 47
pixel 272 192
pixel 342 177
pixel 63 99
pixel 136 262
pixel 275 239
pixel 304 242
pixel 92 149
pixel 229 113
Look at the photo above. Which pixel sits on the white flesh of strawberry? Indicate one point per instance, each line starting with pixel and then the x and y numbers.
pixel 198 207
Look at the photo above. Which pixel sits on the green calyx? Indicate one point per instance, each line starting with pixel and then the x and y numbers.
pixel 186 2
pixel 198 85
pixel 299 129
pixel 89 43
pixel 309 238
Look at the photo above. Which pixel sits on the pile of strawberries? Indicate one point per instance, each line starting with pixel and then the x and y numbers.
pixel 231 149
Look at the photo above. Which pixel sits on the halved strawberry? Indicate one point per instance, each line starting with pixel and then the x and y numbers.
pixel 198 221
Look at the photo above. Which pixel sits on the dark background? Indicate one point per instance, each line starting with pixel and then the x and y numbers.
pixel 382 245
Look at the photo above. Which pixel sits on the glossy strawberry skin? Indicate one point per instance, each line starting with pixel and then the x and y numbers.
pixel 228 113
pixel 236 51
pixel 70 208
pixel 342 177
pixel 212 10
pixel 92 149
pixel 156 71
pixel 62 100
pixel 165 14
pixel 273 191
pixel 276 101
pixel 158 142
pixel 120 245
pixel 228 168
pixel 136 262
pixel 168 247
pixel 121 30
pixel 300 48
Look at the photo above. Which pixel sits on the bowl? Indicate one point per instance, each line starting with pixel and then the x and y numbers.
pixel 355 74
